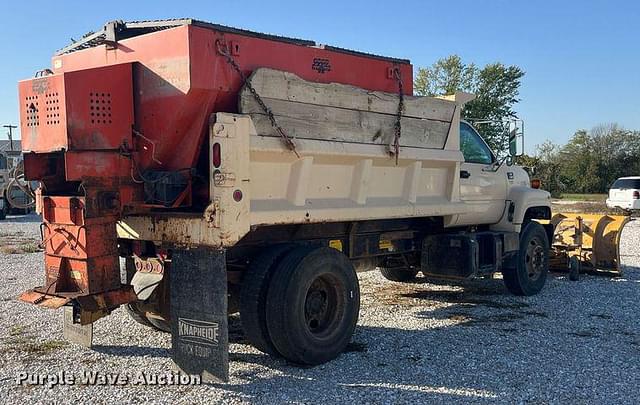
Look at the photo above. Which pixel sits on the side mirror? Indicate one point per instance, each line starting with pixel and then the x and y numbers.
pixel 513 144
pixel 516 138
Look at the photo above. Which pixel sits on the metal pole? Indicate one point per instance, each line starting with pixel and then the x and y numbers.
pixel 10 134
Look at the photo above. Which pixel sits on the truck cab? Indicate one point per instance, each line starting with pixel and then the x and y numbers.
pixel 490 182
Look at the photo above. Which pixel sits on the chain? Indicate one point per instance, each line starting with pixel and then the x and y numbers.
pixel 398 124
pixel 223 50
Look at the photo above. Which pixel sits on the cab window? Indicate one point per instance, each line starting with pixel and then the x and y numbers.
pixel 473 147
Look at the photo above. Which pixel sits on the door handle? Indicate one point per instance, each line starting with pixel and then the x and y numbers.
pixel 464 174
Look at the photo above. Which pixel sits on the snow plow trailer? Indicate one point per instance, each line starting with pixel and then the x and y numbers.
pixel 587 243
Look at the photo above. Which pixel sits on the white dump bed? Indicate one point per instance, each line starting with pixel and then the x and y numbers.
pixel 344 171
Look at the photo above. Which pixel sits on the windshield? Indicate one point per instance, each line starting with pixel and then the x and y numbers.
pixel 626 183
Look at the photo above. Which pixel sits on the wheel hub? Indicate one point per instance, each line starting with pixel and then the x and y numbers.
pixel 320 306
pixel 534 259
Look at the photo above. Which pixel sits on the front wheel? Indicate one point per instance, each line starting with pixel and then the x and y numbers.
pixel 527 274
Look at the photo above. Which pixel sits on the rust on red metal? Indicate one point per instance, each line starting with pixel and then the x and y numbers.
pixel 81 276
pixel 78 110
pixel 92 307
pixel 79 241
pixel 107 300
pixel 44 300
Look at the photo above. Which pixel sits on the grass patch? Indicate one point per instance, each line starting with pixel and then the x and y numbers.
pixel 45 347
pixel 16 330
pixel 20 249
pixel 20 343
pixel 31 248
pixel 16 242
pixel 584 197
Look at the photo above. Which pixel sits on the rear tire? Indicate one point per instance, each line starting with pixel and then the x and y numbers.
pixel 137 315
pixel 159 323
pixel 313 305
pixel 529 274
pixel 253 297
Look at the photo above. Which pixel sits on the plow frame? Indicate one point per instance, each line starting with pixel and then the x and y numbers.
pixel 587 242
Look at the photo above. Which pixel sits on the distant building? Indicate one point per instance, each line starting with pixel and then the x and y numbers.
pixel 4 145
pixel 9 159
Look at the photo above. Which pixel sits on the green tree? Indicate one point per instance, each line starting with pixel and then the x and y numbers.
pixel 496 87
pixel 593 160
pixel 445 77
pixel 548 168
pixel 589 163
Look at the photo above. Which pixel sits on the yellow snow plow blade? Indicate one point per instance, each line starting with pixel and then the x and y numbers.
pixel 586 242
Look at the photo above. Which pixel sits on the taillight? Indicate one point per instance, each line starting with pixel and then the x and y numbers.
pixel 536 183
pixel 216 157
pixel 237 195
pixel 636 195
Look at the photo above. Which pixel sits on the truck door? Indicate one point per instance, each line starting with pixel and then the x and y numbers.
pixel 480 183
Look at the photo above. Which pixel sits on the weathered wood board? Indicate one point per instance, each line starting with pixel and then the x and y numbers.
pixel 344 113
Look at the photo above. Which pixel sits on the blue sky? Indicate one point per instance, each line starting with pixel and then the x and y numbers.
pixel 582 58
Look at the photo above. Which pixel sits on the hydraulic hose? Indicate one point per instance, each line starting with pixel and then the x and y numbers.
pixel 17 181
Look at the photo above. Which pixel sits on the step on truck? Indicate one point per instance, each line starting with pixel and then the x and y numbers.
pixel 190 170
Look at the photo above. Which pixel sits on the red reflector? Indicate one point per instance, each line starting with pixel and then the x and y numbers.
pixel 636 195
pixel 216 157
pixel 535 183
pixel 237 195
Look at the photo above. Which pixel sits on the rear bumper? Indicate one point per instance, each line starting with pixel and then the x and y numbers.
pixel 624 204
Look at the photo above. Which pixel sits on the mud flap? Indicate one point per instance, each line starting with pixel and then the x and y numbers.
pixel 199 332
pixel 75 332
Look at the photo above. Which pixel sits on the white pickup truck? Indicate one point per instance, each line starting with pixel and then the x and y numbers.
pixel 625 194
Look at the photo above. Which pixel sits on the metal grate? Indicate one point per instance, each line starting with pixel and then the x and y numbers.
pixel 114 31
pixel 100 108
pixel 52 108
pixel 33 120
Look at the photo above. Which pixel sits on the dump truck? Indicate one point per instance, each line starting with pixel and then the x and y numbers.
pixel 224 171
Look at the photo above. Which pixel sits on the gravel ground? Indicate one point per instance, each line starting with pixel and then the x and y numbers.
pixel 576 342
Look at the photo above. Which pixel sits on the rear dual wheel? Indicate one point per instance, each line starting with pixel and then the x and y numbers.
pixel 253 297
pixel 308 305
pixel 152 312
pixel 152 319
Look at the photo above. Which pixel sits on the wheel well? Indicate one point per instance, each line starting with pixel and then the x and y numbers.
pixel 536 213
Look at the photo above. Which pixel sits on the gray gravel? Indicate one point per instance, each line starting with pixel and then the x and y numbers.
pixel 576 342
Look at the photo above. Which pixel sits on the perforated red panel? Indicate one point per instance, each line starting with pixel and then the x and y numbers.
pixel 89 109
